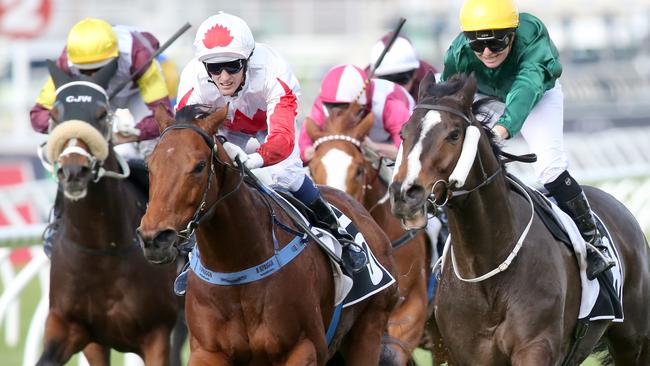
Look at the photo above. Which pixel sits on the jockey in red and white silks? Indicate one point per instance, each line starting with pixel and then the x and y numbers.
pixel 390 104
pixel 262 93
pixel 263 109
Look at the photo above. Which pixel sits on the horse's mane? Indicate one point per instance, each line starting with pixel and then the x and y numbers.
pixel 193 112
pixel 446 91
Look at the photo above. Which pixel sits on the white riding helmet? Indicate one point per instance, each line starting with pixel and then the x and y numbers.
pixel 222 38
pixel 400 58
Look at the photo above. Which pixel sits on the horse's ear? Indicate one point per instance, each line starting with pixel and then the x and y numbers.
pixel 211 123
pixel 361 129
pixel 104 75
pixel 313 131
pixel 58 76
pixel 468 91
pixel 426 83
pixel 162 117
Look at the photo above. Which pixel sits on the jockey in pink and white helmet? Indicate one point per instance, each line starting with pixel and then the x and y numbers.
pixel 390 104
pixel 262 93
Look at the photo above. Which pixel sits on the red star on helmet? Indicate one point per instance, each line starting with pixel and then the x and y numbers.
pixel 217 36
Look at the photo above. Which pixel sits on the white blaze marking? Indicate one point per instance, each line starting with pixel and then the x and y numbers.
pixel 336 163
pixel 414 165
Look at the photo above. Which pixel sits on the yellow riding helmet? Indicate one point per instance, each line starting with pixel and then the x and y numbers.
pixel 92 43
pixel 488 14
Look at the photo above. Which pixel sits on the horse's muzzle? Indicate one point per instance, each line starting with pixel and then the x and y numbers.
pixel 409 205
pixel 159 247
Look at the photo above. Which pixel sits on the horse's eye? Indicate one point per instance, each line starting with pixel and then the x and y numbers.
pixel 199 167
pixel 360 171
pixel 453 135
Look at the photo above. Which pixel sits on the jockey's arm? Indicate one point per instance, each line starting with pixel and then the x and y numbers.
pixel 281 121
pixel 383 149
pixel 153 90
pixel 39 115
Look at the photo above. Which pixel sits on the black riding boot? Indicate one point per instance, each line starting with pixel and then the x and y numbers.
pixel 353 256
pixel 52 227
pixel 572 200
pixel 598 258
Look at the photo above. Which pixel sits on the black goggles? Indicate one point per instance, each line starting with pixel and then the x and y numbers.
pixel 494 44
pixel 231 67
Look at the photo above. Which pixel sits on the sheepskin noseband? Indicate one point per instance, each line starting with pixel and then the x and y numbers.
pixel 80 130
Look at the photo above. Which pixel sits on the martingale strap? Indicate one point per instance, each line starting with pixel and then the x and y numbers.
pixel 281 258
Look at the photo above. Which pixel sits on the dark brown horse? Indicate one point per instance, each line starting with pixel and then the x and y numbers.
pixel 527 313
pixel 103 293
pixel 280 319
pixel 340 163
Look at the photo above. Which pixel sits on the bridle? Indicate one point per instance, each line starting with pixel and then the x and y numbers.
pixel 201 210
pixel 431 198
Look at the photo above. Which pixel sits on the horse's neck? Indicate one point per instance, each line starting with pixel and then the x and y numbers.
pixel 483 224
pixel 237 235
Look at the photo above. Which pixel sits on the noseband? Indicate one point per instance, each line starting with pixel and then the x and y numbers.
pixel 431 198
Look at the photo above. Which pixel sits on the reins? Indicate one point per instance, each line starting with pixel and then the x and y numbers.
pixel 201 211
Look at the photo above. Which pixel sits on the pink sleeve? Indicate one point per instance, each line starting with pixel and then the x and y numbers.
pixel 318 116
pixel 396 113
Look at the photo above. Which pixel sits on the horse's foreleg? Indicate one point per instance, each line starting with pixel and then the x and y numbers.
pixel 303 354
pixel 364 339
pixel 97 355
pixel 155 350
pixel 62 339
pixel 405 326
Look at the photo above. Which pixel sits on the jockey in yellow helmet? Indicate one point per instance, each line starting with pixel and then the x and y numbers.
pixel 93 43
pixel 515 62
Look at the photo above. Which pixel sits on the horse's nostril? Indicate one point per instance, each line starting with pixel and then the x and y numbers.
pixel 415 193
pixel 165 238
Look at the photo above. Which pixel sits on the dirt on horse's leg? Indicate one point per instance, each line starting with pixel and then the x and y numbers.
pixel 437 347
pixel 303 354
pixel 156 347
pixel 97 355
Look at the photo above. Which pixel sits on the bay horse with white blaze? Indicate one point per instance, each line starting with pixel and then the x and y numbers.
pixel 102 290
pixel 280 319
pixel 339 162
pixel 525 313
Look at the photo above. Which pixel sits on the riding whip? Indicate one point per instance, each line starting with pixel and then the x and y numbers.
pixel 164 46
pixel 374 67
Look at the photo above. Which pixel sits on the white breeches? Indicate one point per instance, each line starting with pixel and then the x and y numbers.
pixel 543 132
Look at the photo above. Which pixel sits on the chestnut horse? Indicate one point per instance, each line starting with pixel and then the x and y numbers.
pixel 102 290
pixel 340 163
pixel 525 313
pixel 280 319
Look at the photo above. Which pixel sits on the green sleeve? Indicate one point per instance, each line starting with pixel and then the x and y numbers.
pixel 527 89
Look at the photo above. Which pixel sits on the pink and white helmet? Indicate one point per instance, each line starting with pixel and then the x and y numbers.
pixel 342 84
pixel 223 37
pixel 400 58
